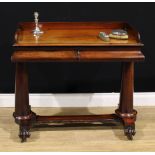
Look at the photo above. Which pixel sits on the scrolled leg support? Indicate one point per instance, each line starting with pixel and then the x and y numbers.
pixel 128 120
pixel 24 132
pixel 25 123
pixel 129 131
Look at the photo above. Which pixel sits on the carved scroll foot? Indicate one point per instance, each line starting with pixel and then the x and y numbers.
pixel 128 120
pixel 25 123
pixel 24 133
pixel 130 131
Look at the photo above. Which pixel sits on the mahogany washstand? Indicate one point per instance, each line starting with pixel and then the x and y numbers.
pixel 78 42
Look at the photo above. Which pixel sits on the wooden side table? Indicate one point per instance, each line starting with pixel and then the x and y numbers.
pixel 78 42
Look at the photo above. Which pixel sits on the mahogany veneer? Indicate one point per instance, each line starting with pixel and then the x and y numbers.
pixel 75 41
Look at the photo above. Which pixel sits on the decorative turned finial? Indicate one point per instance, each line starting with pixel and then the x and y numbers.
pixel 37 30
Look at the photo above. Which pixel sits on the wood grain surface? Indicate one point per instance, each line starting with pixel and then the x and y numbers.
pixel 32 56
pixel 73 34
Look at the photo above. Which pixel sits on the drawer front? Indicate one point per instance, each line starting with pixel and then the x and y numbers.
pixel 76 55
pixel 30 56
pixel 111 56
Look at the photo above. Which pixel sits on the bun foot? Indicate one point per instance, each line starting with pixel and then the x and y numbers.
pixel 24 133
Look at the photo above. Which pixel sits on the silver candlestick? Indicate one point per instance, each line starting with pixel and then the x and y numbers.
pixel 37 30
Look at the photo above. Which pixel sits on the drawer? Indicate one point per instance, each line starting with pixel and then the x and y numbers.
pixel 76 55
pixel 111 56
pixel 26 56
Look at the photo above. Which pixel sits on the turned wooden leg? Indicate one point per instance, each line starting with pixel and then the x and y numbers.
pixel 125 109
pixel 22 114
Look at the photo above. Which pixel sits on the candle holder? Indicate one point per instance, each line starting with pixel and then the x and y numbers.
pixel 37 30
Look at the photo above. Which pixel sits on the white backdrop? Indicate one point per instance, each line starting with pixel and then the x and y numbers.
pixel 78 100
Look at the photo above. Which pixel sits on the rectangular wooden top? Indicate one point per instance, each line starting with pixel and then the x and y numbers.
pixel 73 34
